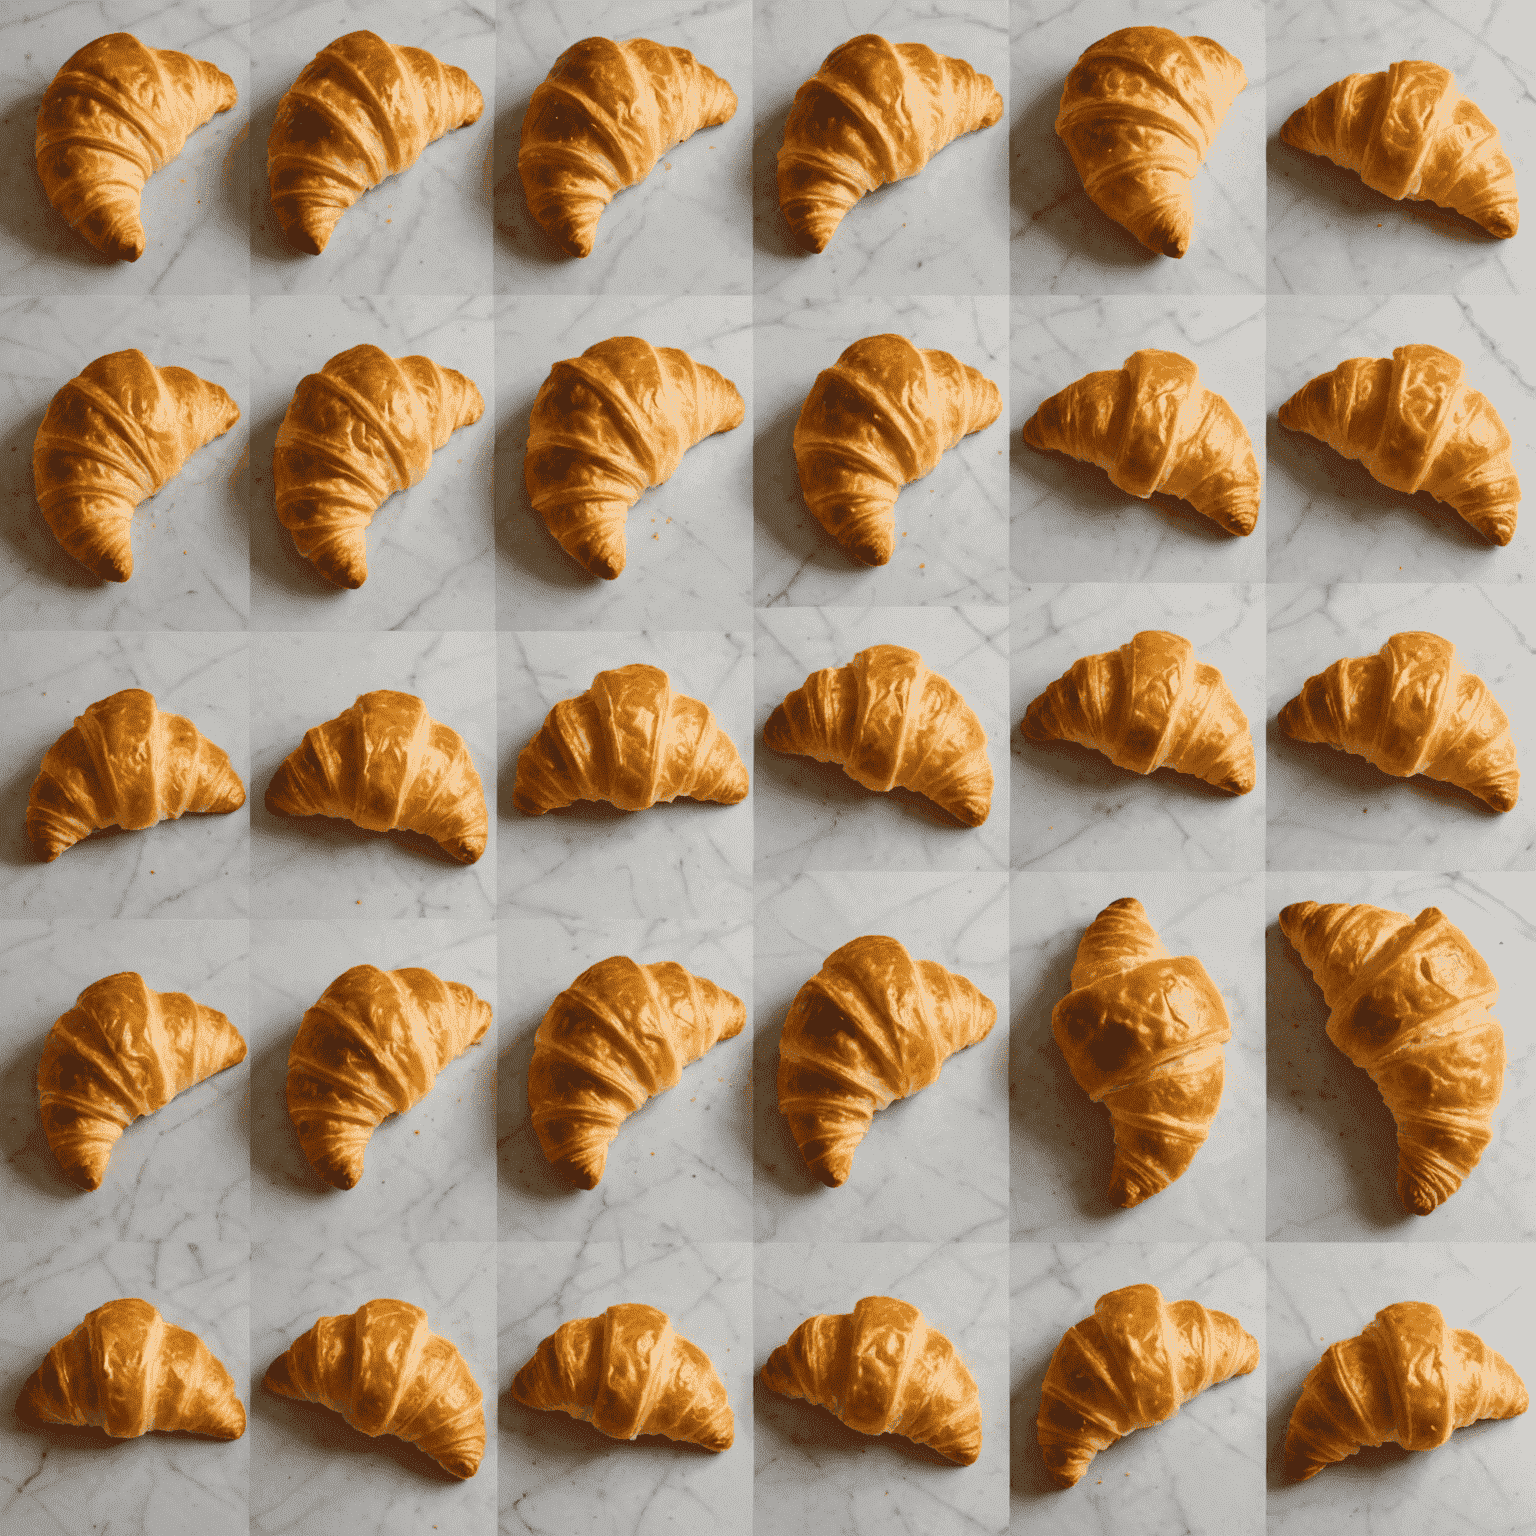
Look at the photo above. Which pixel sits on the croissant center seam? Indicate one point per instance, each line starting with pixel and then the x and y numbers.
pixel 103 91
pixel 365 409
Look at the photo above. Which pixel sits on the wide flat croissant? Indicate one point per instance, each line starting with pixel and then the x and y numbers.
pixel 880 417
pixel 1412 708
pixel 627 1373
pixel 874 112
pixel 871 1026
pixel 361 429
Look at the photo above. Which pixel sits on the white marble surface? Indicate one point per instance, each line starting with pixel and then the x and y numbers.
pixel 1062 242
pixel 1330 233
pixel 1069 522
pixel 681 1165
pixel 951 526
pixel 813 1473
pixel 688 557
pixel 1073 809
pixel 934 1166
pixel 943 231
pixel 1329 809
pixel 320 866
pixel 686 227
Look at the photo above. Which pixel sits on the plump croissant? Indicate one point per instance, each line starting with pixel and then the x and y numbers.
pixel 1412 708
pixel 871 1026
pixel 361 429
pixel 385 764
pixel 1154 428
pixel 1134 1363
pixel 627 1373
pixel 386 1373
pixel 874 112
pixel 114 114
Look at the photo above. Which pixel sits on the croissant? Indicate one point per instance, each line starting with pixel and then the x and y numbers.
pixel 631 741
pixel 873 1025
pixel 1413 423
pixel 608 424
pixel 887 721
pixel 874 112
pixel 1410 1001
pixel 361 429
pixel 1134 1363
pixel 386 1373
pixel 113 115
pixel 627 1373
pixel 882 1370
pixel 386 764
pixel 126 763
pixel 361 109
pixel 1411 709
pixel 1150 705
pixel 1152 426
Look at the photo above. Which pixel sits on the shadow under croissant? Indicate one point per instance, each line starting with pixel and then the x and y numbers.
pixel 267 237
pixel 770 234
pixel 336 832
pixel 552 1433
pixel 522 536
pixel 326 1431
pixel 1088 768
pixel 774 1153
pixel 803 778
pixel 1027 1477
pixel 514 220
pixel 22 523
pixel 819 1434
pixel 23 1145
pixel 779 506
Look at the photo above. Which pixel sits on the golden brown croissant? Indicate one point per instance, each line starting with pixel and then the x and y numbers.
pixel 386 764
pixel 883 1370
pixel 126 763
pixel 128 1371
pixel 361 429
pixel 871 1026
pixel 111 437
pixel 1154 428
pixel 601 119
pixel 1133 1364
pixel 114 114
pixel 608 424
pixel 1411 420
pixel 888 722
pixel 874 112
pixel 1410 1001
pixel 627 1373
pixel 631 741
pixel 1409 709
pixel 386 1373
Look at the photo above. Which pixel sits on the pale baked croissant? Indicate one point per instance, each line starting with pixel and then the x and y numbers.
pixel 1412 708
pixel 112 436
pixel 628 1373
pixel 360 110
pixel 599 122
pixel 1410 1001
pixel 1133 1364
pixel 888 722
pixel 114 114
pixel 1150 705
pixel 874 112
pixel 629 740
pixel 385 764
pixel 880 417
pixel 361 429
pixel 1153 427
pixel 1411 420
pixel 386 1373
pixel 608 424
pixel 126 763
pixel 871 1026
pixel 883 1370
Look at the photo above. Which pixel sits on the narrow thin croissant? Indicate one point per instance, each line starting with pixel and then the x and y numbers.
pixel 628 1373
pixel 608 424
pixel 1153 427
pixel 1412 708
pixel 871 1026
pixel 1133 1364
pixel 361 429
pixel 874 112
pixel 599 122
pixel 385 764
